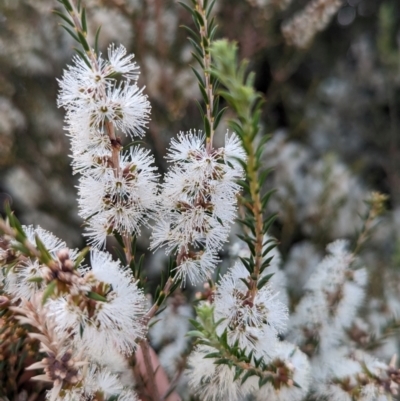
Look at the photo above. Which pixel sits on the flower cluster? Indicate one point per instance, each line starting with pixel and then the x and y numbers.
pixel 250 321
pixel 117 192
pixel 91 317
pixel 334 294
pixel 198 202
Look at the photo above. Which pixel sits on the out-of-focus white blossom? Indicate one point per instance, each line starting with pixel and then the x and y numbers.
pixel 298 368
pixel 169 333
pixel 334 293
pixel 302 260
pixel 345 375
pixel 210 381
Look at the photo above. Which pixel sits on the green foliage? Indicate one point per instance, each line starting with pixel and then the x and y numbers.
pixel 243 362
pixel 77 28
pixel 246 102
pixel 201 42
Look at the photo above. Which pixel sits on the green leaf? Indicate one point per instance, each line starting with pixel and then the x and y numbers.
pixel 246 264
pixel 267 197
pixel 223 361
pixel 200 109
pixel 37 279
pixel 196 324
pixel 213 355
pixel 96 297
pixel 238 372
pixel 218 117
pixel 21 248
pixel 264 281
pixel 268 249
pixel 197 48
pixel 198 17
pixel 195 333
pixel 83 57
pixel 186 7
pixel 154 322
pixel 249 241
pixel 121 255
pixel 49 291
pixel 207 128
pixel 266 263
pixel 204 94
pixel 264 380
pixel 224 339
pixel 67 5
pixel 96 41
pixel 71 33
pixel 268 222
pixel 244 184
pixel 248 223
pixel 81 256
pixel 245 282
pixel 198 76
pixel 196 37
pixel 45 256
pixel 198 59
pixel 83 20
pixel 64 17
pixel 210 9
pixel 119 238
pixel 248 374
pixel 83 41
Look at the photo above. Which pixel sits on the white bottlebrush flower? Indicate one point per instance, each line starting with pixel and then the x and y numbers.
pixel 197 268
pixel 212 382
pixel 122 203
pixel 28 277
pixel 72 394
pixel 249 321
pixel 25 280
pixel 186 147
pixel 121 63
pixel 334 293
pixel 49 240
pixel 115 323
pixel 94 98
pixel 198 201
pixel 80 83
pixel 101 380
pixel 233 149
pixel 128 108
pixel 297 368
